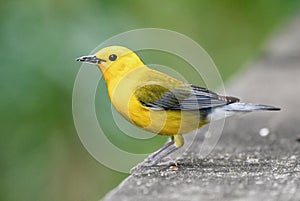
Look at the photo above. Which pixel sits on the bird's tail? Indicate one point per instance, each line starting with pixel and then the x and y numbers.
pixel 248 107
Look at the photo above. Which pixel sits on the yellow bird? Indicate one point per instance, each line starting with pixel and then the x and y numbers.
pixel 159 103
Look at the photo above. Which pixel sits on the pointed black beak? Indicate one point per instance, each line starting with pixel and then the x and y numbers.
pixel 90 59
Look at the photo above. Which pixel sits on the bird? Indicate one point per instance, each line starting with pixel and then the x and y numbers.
pixel 159 103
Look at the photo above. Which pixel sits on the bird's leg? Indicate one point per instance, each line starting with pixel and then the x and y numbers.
pixel 156 160
pixel 178 142
pixel 168 144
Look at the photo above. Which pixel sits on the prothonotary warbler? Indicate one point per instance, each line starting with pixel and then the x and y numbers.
pixel 160 103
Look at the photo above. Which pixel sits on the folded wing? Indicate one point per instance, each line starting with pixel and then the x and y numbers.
pixel 186 97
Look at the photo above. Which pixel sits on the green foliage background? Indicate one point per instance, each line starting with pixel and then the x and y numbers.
pixel 41 155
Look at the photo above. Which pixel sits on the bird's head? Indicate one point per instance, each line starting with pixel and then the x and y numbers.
pixel 117 57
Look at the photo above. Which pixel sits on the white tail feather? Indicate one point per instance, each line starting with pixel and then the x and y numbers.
pixel 236 108
pixel 247 107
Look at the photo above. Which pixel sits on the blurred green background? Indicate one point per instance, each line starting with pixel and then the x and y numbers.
pixel 41 155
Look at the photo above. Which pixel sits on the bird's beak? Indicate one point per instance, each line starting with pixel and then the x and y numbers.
pixel 90 59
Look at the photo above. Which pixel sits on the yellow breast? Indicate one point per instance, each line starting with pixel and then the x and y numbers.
pixel 121 88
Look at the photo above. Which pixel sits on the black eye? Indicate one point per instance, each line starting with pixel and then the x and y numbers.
pixel 112 57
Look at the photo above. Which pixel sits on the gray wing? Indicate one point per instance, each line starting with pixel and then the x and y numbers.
pixel 190 97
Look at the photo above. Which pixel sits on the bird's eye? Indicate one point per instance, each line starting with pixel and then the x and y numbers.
pixel 112 57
